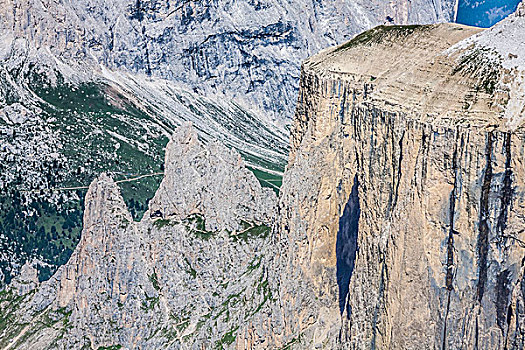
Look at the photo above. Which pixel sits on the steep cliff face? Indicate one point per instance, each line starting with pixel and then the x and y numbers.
pixel 186 277
pixel 402 207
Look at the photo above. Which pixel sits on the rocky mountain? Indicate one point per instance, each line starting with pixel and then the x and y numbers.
pixel 248 50
pixel 99 86
pixel 189 274
pixel 401 211
pixel 400 222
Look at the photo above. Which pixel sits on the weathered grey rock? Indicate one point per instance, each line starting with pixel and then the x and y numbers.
pixel 168 282
pixel 26 281
pixel 212 181
pixel 246 50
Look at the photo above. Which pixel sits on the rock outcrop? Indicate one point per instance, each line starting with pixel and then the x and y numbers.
pixel 402 208
pixel 174 281
pixel 209 180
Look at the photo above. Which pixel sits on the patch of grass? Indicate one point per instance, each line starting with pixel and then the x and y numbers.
pixel 149 303
pixel 478 64
pixel 154 280
pixel 251 230
pixel 101 131
pixel 228 338
pixel 111 347
pixel 196 224
pixel 378 34
pixel 160 223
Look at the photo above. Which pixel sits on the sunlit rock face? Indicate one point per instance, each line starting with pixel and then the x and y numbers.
pixel 419 129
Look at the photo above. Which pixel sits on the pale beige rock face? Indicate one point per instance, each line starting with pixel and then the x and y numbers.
pixel 420 129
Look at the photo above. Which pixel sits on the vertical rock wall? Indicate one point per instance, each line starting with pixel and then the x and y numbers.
pixel 440 252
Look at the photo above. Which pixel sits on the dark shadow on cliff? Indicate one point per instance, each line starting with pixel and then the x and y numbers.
pixel 346 245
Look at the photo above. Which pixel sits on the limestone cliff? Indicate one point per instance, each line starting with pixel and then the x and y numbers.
pixel 170 281
pixel 403 204
pixel 400 224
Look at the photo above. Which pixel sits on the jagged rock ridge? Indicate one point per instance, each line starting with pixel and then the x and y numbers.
pixel 165 282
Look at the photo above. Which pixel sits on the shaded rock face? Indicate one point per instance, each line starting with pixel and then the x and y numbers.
pixel 398 128
pixel 171 282
pixel 247 50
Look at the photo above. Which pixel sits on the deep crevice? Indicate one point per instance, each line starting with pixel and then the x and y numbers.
pixel 400 160
pixel 346 246
pixel 483 236
pixel 507 191
pixel 450 240
pixel 502 299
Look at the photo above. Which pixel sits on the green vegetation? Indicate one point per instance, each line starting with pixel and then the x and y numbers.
pixel 10 326
pixel 294 340
pixel 228 338
pixel 154 280
pixel 111 347
pixel 250 230
pixel 160 223
pixel 101 131
pixel 380 33
pixel 149 303
pixel 196 224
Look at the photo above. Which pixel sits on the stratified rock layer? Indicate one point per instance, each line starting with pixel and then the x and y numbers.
pixel 403 204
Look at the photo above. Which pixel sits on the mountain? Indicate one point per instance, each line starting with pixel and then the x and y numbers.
pixel 399 223
pixel 246 50
pixel 188 273
pixel 401 210
pixel 99 86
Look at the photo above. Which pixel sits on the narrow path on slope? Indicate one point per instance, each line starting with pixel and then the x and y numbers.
pixel 138 177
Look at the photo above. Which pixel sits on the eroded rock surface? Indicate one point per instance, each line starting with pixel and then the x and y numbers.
pixel 174 281
pixel 415 133
pixel 209 180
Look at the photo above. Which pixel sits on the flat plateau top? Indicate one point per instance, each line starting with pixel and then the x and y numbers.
pixel 442 73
